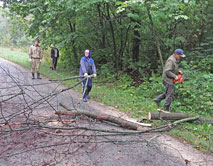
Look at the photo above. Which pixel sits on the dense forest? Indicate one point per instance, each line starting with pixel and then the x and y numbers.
pixel 134 37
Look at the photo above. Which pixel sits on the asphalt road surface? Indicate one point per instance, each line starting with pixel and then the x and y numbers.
pixel 36 135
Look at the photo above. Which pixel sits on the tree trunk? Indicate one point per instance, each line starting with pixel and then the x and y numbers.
pixel 175 116
pixel 136 41
pixel 157 43
pixel 133 125
pixel 123 45
pixel 72 30
pixel 100 15
pixel 136 46
pixel 202 24
pixel 113 38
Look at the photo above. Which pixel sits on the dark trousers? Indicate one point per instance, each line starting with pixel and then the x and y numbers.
pixel 168 94
pixel 88 88
pixel 54 62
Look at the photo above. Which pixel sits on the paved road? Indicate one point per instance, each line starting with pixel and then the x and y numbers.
pixel 29 143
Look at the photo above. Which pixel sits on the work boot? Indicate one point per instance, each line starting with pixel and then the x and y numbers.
pixel 158 99
pixel 84 99
pixel 33 76
pixel 88 91
pixel 166 108
pixel 38 76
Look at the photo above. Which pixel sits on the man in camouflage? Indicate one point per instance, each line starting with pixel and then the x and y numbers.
pixel 35 58
pixel 170 72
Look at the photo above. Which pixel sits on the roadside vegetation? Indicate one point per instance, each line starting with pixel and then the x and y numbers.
pixel 193 96
pixel 130 41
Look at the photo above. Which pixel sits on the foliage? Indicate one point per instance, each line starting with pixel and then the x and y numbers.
pixel 118 32
pixel 123 43
pixel 198 135
pixel 193 96
pixel 12 31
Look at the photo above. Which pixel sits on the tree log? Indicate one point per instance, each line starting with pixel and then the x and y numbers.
pixel 133 125
pixel 176 116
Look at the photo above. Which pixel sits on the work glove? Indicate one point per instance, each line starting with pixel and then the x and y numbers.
pixel 180 72
pixel 85 75
pixel 40 60
pixel 30 60
pixel 94 75
pixel 176 78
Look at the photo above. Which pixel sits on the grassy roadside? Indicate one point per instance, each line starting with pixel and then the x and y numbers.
pixel 110 94
pixel 22 59
pixel 137 101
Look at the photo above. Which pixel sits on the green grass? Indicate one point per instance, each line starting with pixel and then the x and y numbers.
pixel 109 94
pixel 197 135
pixel 137 101
pixel 22 59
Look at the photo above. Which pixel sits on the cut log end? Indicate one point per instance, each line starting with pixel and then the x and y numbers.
pixel 149 116
pixel 175 116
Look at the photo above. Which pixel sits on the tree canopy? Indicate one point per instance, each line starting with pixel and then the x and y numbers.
pixel 134 36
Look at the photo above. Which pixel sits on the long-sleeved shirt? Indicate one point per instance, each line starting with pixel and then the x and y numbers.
pixel 170 71
pixel 35 52
pixel 54 53
pixel 87 66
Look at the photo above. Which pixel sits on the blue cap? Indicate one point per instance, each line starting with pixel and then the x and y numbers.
pixel 180 52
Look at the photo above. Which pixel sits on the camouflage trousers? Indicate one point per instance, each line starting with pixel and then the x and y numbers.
pixel 35 65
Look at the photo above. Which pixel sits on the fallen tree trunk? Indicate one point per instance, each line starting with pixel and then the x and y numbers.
pixel 121 122
pixel 176 116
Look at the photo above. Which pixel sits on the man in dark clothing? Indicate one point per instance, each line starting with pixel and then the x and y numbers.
pixel 54 56
pixel 87 67
pixel 170 72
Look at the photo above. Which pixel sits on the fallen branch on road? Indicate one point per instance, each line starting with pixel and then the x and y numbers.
pixel 74 77
pixel 65 79
pixel 162 128
pixel 15 95
pixel 175 116
pixel 42 100
pixel 100 116
pixel 113 132
pixel 38 122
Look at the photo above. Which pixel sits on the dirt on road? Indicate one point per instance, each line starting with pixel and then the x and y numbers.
pixel 32 134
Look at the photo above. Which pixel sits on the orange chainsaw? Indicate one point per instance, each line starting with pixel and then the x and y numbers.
pixel 180 78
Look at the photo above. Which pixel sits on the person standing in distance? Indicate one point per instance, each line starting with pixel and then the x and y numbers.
pixel 87 67
pixel 35 56
pixel 54 56
pixel 170 72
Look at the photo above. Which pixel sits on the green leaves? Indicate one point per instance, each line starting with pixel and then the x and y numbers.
pixel 206 127
pixel 181 17
pixel 133 16
pixel 194 94
pixel 74 25
pixel 180 39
